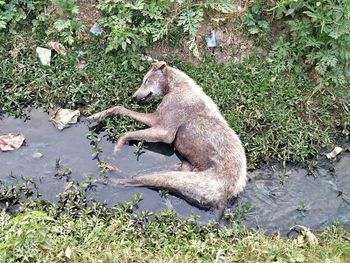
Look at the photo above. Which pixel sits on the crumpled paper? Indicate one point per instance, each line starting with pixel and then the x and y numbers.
pixel 334 153
pixel 11 141
pixel 63 118
pixel 44 55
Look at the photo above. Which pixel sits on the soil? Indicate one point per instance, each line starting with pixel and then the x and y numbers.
pixel 88 12
pixel 231 44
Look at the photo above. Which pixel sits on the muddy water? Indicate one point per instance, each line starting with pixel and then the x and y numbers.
pixel 314 199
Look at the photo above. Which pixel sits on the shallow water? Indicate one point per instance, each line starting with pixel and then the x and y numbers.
pixel 314 200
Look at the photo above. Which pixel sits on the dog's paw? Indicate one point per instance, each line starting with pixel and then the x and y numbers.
pixel 94 118
pixel 103 181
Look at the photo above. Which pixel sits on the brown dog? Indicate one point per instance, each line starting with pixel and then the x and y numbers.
pixel 190 119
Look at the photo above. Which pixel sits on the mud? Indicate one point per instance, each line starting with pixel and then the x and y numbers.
pixel 314 199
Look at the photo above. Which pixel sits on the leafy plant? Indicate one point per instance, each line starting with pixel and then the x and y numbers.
pixel 319 36
pixel 61 170
pixel 138 23
pixel 15 11
pixel 68 7
pixel 251 20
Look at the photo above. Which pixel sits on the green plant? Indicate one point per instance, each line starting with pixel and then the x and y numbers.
pixel 251 20
pixel 68 7
pixel 61 170
pixel 139 149
pixel 60 23
pixel 318 37
pixel 138 23
pixel 15 11
pixel 303 208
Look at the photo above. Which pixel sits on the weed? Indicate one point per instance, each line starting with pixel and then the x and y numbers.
pixel 302 208
pixel 252 23
pixel 136 24
pixel 317 38
pixel 13 12
pixel 139 149
pixel 61 170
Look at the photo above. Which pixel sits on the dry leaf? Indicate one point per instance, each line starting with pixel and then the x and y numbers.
pixel 335 152
pixel 62 118
pixel 11 141
pixel 58 47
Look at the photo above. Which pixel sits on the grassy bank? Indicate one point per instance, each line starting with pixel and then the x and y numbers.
pixel 275 114
pixel 124 237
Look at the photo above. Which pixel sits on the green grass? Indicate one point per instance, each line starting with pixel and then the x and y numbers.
pixel 77 229
pixel 268 110
pixel 37 236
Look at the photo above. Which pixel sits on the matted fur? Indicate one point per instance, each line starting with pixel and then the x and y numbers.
pixel 190 120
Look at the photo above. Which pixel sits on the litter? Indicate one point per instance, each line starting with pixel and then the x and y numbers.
pixel 37 155
pixel 311 238
pixel 44 55
pixel 210 39
pixel 334 153
pixel 58 47
pixel 96 30
pixel 63 118
pixel 11 141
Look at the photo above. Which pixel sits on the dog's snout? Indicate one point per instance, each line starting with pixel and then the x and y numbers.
pixel 135 98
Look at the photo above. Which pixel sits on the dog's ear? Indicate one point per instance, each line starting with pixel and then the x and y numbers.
pixel 159 65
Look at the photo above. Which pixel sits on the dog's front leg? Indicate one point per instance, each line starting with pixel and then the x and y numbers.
pixel 149 135
pixel 149 119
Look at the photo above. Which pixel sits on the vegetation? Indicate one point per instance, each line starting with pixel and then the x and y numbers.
pixel 285 102
pixel 76 231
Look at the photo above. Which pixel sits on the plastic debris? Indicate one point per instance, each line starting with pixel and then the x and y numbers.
pixel 37 155
pixel 58 47
pixel 334 153
pixel 210 39
pixel 44 55
pixel 11 141
pixel 63 118
pixel 96 30
pixel 311 238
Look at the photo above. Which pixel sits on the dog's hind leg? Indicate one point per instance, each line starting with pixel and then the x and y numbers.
pixel 147 118
pixel 196 187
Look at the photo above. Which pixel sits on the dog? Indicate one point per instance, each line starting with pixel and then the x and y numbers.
pixel 216 170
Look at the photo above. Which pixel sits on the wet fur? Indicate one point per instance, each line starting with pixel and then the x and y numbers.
pixel 190 120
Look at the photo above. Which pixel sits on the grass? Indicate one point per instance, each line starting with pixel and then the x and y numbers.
pixel 268 110
pixel 93 233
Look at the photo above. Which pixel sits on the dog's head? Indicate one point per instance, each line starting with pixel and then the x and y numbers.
pixel 155 83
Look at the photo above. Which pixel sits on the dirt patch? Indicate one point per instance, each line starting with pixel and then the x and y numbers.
pixel 88 12
pixel 231 44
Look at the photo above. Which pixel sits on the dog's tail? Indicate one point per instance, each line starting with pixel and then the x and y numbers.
pixel 201 188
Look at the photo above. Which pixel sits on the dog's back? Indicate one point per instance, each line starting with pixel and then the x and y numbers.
pixel 203 136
